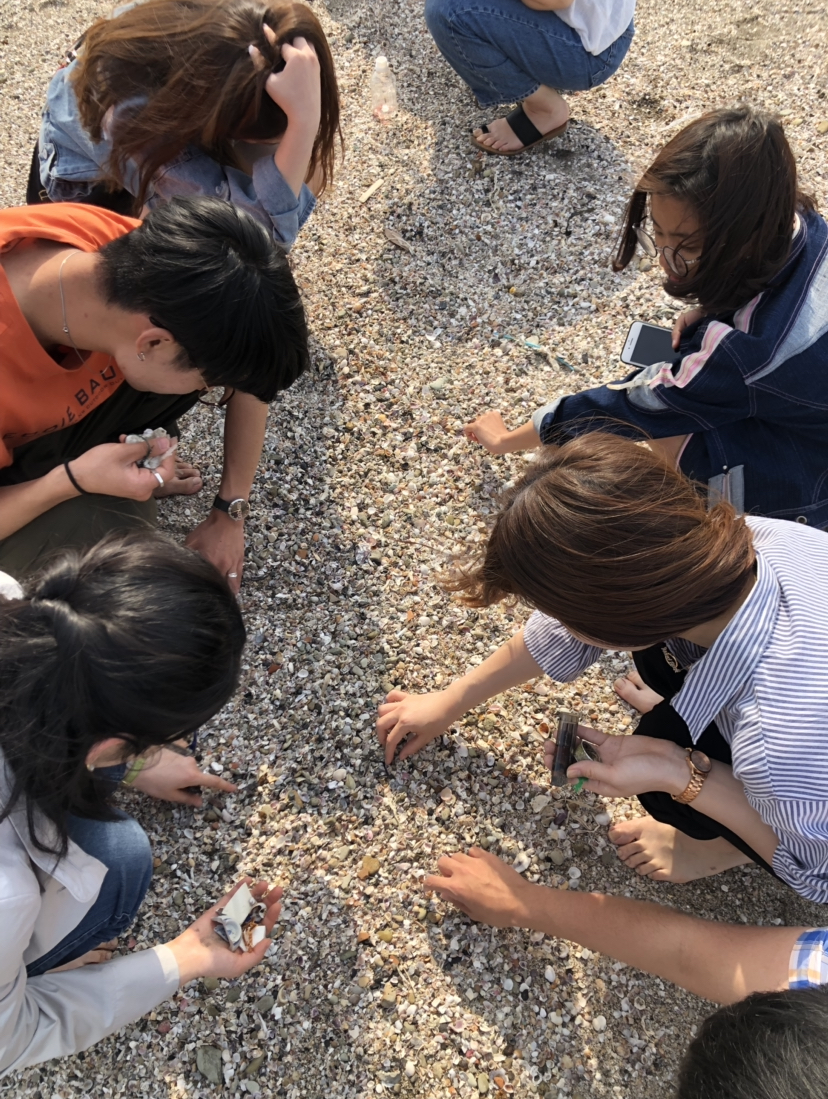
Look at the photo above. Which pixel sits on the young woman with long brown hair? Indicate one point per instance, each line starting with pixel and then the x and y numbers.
pixel 727 619
pixel 741 407
pixel 169 98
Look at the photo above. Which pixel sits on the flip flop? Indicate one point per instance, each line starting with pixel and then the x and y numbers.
pixel 524 130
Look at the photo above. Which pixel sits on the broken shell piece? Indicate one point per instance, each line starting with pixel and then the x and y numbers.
pixel 239 921
pixel 148 436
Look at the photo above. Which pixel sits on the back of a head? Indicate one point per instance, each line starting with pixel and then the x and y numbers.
pixel 773 1045
pixel 611 540
pixel 735 169
pixel 210 274
pixel 136 638
pixel 184 68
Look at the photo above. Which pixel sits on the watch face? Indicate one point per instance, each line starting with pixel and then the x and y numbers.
pixel 239 509
pixel 701 762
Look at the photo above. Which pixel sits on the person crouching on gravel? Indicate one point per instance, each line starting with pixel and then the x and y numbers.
pixel 742 406
pixel 110 657
pixel 727 621
pixel 767 1042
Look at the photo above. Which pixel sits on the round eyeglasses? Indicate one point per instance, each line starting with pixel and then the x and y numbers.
pixel 678 264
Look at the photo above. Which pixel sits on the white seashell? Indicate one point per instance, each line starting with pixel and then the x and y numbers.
pixel 599 1023
pixel 603 819
pixel 522 862
pixel 550 974
pixel 540 802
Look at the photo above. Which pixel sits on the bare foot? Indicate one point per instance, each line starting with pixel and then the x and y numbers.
pixel 92 957
pixel 185 482
pixel 546 109
pixel 636 693
pixel 659 851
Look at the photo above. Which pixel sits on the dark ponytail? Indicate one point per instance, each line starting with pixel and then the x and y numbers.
pixel 136 638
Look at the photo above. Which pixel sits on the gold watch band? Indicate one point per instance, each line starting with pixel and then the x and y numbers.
pixel 693 787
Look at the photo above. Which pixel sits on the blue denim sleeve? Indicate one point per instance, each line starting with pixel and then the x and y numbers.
pixel 266 195
pixel 701 390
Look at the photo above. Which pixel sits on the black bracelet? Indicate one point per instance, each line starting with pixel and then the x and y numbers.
pixel 75 484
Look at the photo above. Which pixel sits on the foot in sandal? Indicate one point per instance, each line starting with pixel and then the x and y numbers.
pixel 659 851
pixel 544 115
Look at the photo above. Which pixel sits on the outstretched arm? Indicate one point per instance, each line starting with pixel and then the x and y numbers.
pixel 718 961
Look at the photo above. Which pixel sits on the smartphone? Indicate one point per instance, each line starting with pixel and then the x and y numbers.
pixel 647 344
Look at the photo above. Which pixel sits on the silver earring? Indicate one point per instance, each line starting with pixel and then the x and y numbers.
pixel 141 356
pixel 89 767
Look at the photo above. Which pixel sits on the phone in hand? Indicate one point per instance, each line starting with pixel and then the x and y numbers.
pixel 647 344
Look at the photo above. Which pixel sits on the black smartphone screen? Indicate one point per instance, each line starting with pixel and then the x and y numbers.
pixel 654 345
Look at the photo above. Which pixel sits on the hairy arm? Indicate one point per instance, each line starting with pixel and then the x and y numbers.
pixel 721 962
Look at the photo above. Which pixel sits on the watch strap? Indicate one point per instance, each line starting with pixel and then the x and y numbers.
pixel 693 787
pixel 221 505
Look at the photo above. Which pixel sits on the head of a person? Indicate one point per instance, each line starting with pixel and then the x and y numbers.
pixel 126 646
pixel 182 75
pixel 720 203
pixel 770 1046
pixel 217 300
pixel 608 538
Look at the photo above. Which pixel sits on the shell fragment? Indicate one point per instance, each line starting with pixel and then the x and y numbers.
pixel 239 921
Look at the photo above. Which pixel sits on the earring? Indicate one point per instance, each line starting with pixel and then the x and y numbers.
pixel 89 767
pixel 141 356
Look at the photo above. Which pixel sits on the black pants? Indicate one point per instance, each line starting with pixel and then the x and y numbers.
pixel 665 724
pixel 84 520
pixel 120 202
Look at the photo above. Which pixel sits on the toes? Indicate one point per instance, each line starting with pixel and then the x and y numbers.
pixel 628 851
pixel 626 831
pixel 636 679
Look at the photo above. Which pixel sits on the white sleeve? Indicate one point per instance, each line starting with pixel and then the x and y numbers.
pixel 553 647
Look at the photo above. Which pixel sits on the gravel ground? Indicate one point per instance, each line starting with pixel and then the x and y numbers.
pixel 364 489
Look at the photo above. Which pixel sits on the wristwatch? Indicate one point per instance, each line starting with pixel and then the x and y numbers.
pixel 700 767
pixel 237 509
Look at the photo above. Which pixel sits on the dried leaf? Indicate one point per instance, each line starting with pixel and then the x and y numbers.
pixel 397 239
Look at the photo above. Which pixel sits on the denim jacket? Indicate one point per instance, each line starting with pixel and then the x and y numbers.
pixel 750 388
pixel 71 163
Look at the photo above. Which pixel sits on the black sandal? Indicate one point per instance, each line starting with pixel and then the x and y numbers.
pixel 524 130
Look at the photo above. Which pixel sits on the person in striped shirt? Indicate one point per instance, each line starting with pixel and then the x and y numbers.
pixel 727 620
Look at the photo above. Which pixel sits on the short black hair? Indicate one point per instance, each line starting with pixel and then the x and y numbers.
pixel 772 1045
pixel 136 638
pixel 213 277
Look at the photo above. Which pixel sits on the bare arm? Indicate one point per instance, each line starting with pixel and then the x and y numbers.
pixel 428 716
pixel 721 962
pixel 110 469
pixel 219 538
pixel 491 432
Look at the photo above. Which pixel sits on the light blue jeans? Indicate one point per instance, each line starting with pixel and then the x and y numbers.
pixel 123 847
pixel 504 51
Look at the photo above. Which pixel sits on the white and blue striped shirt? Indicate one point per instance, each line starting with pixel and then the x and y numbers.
pixel 765 683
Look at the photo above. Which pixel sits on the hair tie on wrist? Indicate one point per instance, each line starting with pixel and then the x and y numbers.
pixel 134 770
pixel 75 484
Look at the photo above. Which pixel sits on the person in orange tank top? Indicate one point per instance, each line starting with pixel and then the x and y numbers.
pixel 109 326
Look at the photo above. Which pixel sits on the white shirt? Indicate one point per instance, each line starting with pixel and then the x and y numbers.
pixel 598 22
pixel 40 902
pixel 763 682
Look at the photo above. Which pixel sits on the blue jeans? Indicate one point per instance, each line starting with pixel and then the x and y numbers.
pixel 123 847
pixel 504 51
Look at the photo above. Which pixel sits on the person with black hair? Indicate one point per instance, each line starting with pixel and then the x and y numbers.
pixel 112 656
pixel 768 1042
pixel 113 326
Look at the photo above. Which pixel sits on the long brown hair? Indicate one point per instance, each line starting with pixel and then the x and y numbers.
pixel 735 168
pixel 611 540
pixel 187 64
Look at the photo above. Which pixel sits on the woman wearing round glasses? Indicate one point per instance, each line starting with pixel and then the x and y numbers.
pixel 743 403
